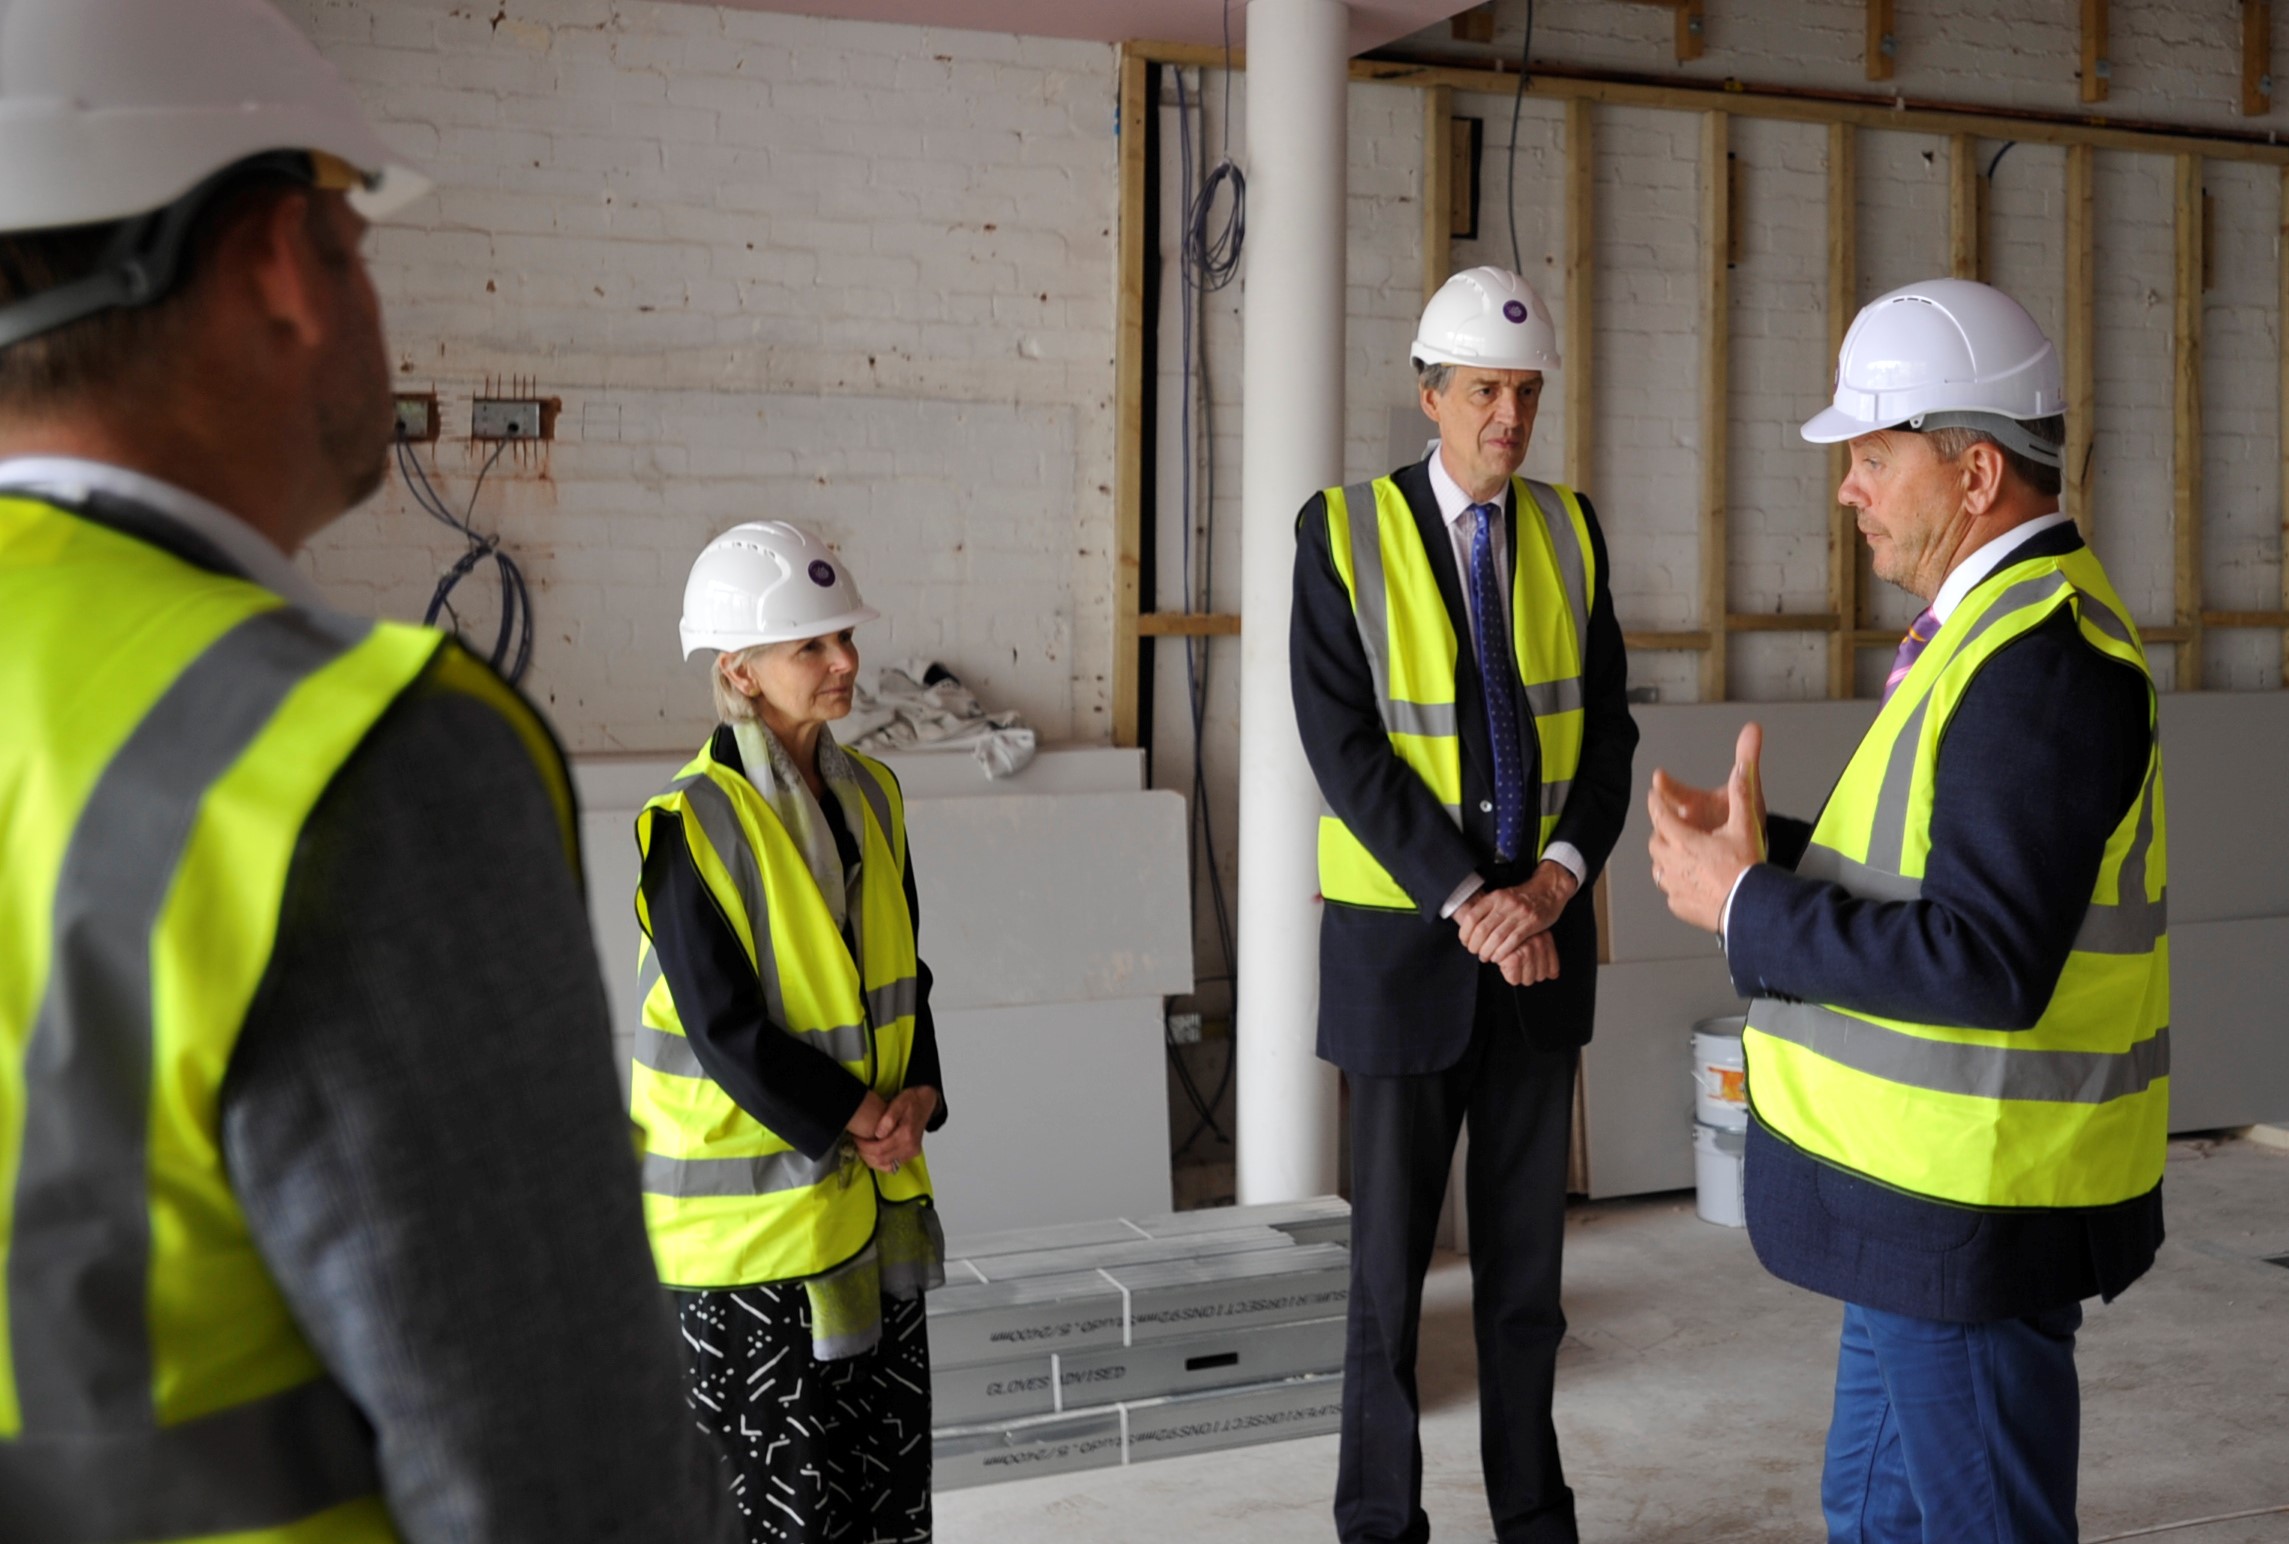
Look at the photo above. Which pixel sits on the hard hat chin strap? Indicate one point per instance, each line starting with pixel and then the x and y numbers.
pixel 2006 431
pixel 143 262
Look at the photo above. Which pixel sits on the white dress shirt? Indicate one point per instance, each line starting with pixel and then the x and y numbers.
pixel 1961 580
pixel 70 480
pixel 1462 530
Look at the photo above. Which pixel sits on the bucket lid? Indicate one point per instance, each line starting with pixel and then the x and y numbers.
pixel 1730 1024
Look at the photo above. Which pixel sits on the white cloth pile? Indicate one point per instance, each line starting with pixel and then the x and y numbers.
pixel 919 705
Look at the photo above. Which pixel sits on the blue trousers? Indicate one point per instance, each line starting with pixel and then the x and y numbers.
pixel 1954 1433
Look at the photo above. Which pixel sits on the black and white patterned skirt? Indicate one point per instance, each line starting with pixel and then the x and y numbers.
pixel 816 1452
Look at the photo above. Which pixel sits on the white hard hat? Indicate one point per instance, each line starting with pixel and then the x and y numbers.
pixel 1944 353
pixel 112 110
pixel 1488 317
pixel 768 582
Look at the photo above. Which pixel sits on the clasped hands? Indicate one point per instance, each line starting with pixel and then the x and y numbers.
pixel 888 1132
pixel 1703 838
pixel 1511 927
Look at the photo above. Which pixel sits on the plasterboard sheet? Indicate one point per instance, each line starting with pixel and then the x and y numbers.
pixel 1053 769
pixel 1325 1219
pixel 1035 1385
pixel 1317 1216
pixel 1055 1114
pixel 1637 1079
pixel 1053 898
pixel 1136 1251
pixel 2229 1020
pixel 1155 1428
pixel 2222 758
pixel 994 1321
pixel 1806 746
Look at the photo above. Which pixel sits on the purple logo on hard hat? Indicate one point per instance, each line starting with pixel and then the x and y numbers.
pixel 1515 310
pixel 823 575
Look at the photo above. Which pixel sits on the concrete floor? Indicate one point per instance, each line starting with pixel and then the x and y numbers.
pixel 1693 1396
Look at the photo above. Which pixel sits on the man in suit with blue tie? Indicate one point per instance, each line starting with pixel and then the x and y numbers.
pixel 1462 695
pixel 1958 1052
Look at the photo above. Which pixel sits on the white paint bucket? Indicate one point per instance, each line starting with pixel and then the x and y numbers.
pixel 1717 1163
pixel 1720 1078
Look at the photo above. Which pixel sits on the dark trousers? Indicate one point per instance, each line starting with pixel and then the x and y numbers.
pixel 1403 1129
pixel 1954 1433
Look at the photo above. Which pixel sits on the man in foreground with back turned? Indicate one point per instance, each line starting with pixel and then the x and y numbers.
pixel 1461 691
pixel 319 1218
pixel 1958 1052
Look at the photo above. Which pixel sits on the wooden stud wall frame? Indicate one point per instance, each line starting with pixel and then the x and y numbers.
pixel 1845 621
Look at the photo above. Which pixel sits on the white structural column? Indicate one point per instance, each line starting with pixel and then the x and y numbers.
pixel 1291 428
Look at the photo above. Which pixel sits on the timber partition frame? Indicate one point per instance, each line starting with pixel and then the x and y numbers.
pixel 1845 620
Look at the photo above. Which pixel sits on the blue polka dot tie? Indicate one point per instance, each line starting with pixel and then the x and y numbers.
pixel 1498 676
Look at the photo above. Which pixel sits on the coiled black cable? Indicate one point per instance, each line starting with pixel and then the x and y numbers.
pixel 513 641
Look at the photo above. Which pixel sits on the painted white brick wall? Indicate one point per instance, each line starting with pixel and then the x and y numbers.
pixel 857 275
pixel 863 275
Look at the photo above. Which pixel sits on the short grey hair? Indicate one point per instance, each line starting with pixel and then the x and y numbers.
pixel 1950 442
pixel 731 705
pixel 1431 377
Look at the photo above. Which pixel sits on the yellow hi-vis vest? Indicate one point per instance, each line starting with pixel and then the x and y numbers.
pixel 728 1201
pixel 1412 654
pixel 2070 1113
pixel 168 732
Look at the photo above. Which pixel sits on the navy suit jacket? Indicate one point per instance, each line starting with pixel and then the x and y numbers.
pixel 1397 990
pixel 2044 755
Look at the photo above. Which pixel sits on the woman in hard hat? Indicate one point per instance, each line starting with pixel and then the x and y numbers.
pixel 787 1066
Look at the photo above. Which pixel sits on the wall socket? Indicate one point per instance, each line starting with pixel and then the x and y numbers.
pixel 417 416
pixel 512 418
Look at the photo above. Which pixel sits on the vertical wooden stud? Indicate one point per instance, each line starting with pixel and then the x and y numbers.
pixel 2081 333
pixel 1716 335
pixel 1883 42
pixel 1129 386
pixel 1438 189
pixel 1692 30
pixel 1843 283
pixel 2097 68
pixel 1581 288
pixel 1963 207
pixel 2186 459
pixel 2256 57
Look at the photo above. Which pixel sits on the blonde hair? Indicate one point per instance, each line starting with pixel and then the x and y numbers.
pixel 732 706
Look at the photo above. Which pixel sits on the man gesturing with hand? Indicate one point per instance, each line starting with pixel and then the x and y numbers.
pixel 1461 693
pixel 1958 1052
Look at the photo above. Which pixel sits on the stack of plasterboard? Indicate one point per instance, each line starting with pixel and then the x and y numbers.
pixel 1093 1344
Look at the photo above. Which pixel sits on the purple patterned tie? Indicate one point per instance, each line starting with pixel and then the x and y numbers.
pixel 1920 632
pixel 1496 673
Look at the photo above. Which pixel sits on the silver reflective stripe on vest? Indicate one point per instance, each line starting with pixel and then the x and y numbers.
pixel 719 822
pixel 766 1175
pixel 1550 698
pixel 893 1001
pixel 1870 884
pixel 2134 924
pixel 1887 839
pixel 1371 612
pixel 259 1465
pixel 79 1258
pixel 1977 1071
pixel 877 799
pixel 2133 927
pixel 1573 566
pixel 665 1051
pixel 1554 796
